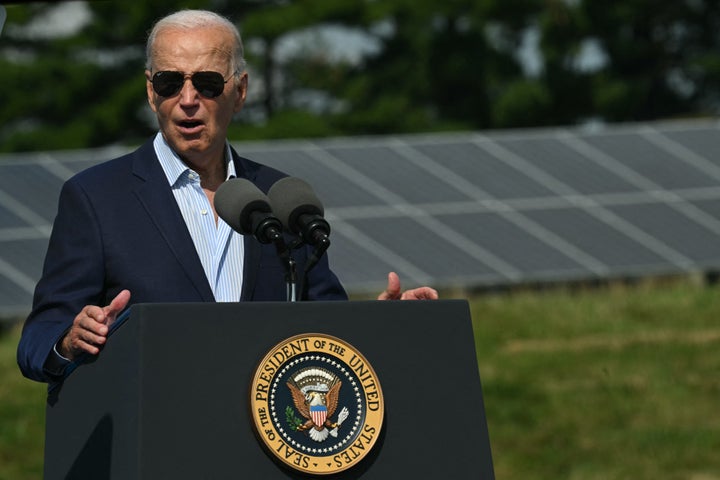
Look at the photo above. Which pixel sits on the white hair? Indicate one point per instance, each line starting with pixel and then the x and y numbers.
pixel 190 19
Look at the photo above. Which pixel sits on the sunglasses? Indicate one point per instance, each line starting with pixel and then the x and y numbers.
pixel 207 84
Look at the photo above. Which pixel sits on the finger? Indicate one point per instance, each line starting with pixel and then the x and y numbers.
pixel 80 339
pixel 91 319
pixel 87 338
pixel 80 346
pixel 427 293
pixel 422 293
pixel 72 347
pixel 89 329
pixel 116 306
pixel 392 291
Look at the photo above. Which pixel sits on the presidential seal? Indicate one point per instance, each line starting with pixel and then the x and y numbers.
pixel 316 403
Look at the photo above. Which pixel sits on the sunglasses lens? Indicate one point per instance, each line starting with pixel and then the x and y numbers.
pixel 167 84
pixel 208 84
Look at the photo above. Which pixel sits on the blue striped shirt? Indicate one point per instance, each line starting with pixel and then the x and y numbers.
pixel 220 248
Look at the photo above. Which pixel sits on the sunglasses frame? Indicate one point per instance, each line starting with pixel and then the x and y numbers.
pixel 211 89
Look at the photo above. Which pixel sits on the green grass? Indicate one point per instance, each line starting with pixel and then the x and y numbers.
pixel 614 383
pixel 22 416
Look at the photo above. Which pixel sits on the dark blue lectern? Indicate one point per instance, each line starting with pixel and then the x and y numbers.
pixel 168 397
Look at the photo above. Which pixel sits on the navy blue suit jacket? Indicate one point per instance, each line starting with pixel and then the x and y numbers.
pixel 118 227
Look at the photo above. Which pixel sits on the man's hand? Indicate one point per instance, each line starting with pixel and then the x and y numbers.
pixel 90 328
pixel 393 291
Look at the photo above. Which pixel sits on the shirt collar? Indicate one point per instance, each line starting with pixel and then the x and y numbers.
pixel 175 169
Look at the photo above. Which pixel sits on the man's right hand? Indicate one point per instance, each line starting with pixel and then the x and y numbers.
pixel 90 328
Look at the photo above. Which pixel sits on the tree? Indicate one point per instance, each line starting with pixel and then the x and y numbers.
pixel 662 57
pixel 85 89
pixel 274 20
pixel 454 64
pixel 69 91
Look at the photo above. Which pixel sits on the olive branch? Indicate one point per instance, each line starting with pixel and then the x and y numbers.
pixel 292 420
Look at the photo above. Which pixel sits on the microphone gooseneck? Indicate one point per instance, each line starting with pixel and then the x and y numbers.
pixel 301 212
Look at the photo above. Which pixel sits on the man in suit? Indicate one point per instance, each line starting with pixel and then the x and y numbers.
pixel 143 227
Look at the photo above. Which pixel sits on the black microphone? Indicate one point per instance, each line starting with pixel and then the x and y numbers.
pixel 247 210
pixel 299 210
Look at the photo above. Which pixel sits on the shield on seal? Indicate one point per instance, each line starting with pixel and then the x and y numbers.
pixel 318 414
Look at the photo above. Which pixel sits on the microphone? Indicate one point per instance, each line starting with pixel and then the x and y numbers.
pixel 300 211
pixel 247 210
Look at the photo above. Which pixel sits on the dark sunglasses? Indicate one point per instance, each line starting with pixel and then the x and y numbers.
pixel 208 84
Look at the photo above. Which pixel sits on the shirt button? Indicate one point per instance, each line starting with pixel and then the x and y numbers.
pixel 203 211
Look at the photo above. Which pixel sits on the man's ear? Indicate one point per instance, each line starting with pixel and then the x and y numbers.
pixel 150 91
pixel 242 85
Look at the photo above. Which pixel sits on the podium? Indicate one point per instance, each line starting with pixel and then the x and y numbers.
pixel 169 395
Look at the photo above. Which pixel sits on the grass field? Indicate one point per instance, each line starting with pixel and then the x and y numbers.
pixel 618 383
pixel 612 383
pixel 22 417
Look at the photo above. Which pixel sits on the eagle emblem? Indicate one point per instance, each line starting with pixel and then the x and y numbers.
pixel 315 393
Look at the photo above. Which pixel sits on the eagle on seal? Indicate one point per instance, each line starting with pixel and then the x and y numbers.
pixel 315 395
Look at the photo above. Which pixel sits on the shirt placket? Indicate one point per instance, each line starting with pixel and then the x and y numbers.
pixel 209 234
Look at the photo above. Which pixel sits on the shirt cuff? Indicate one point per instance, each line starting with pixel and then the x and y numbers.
pixel 55 363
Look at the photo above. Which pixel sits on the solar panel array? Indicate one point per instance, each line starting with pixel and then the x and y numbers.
pixel 467 210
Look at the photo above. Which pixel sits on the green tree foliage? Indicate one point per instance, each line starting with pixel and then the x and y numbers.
pixel 661 57
pixel 456 64
pixel 71 91
pixel 273 20
pixel 82 90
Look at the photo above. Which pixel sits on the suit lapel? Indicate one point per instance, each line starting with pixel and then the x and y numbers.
pixel 152 189
pixel 251 266
pixel 252 248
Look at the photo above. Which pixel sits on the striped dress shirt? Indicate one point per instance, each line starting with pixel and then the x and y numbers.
pixel 220 248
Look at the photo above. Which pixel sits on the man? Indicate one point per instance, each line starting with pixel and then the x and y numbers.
pixel 143 226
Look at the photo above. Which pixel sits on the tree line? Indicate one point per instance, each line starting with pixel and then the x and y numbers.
pixel 384 66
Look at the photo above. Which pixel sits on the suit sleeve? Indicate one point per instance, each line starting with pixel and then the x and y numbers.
pixel 72 277
pixel 323 284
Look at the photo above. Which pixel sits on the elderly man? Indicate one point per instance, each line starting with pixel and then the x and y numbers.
pixel 143 226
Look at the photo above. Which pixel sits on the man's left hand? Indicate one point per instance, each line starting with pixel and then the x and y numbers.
pixel 393 291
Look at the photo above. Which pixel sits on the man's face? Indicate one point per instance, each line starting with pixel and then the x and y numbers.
pixel 195 126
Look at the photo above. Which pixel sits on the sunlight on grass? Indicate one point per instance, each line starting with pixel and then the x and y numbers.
pixel 610 384
pixel 22 416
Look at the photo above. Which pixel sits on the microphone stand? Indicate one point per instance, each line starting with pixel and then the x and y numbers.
pixel 290 280
pixel 290 271
pixel 265 230
pixel 320 247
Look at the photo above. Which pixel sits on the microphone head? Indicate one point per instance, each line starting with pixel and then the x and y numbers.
pixel 292 197
pixel 235 202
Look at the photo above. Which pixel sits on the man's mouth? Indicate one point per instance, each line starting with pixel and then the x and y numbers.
pixel 190 124
pixel 190 127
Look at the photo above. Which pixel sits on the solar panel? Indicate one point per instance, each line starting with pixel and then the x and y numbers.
pixel 471 210
pixel 569 166
pixel 650 162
